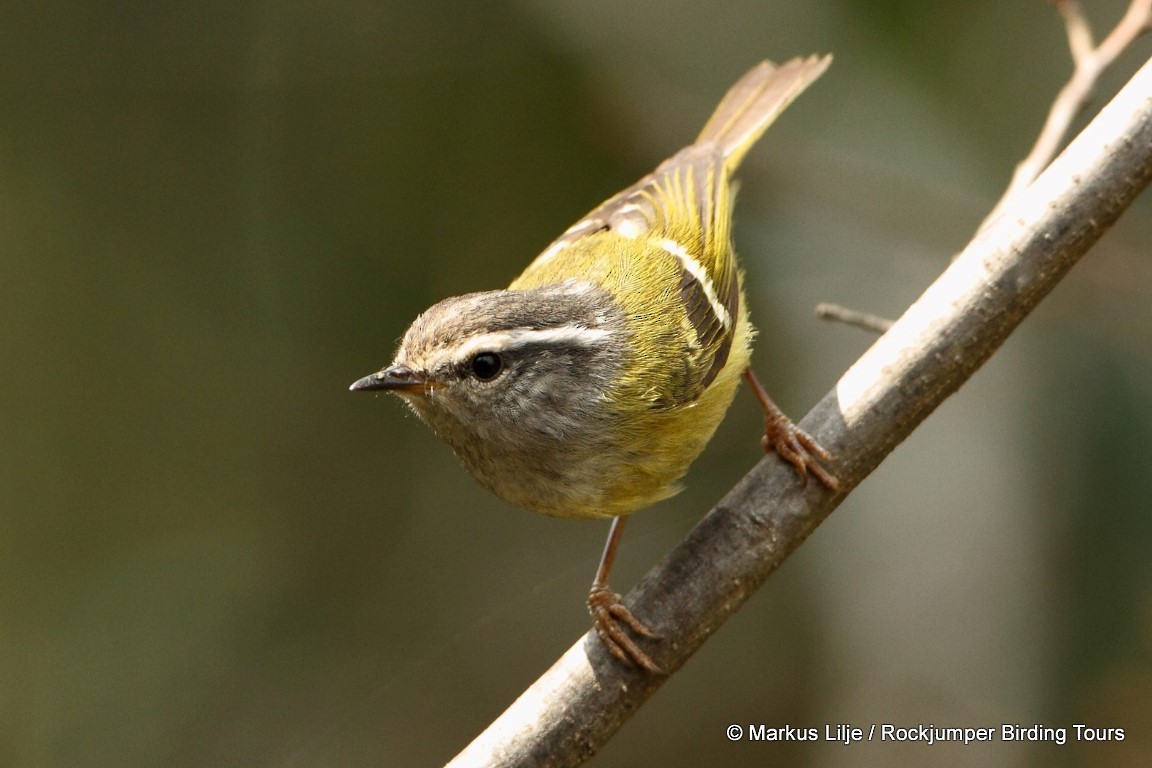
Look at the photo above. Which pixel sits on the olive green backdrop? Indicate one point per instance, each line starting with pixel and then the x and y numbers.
pixel 215 216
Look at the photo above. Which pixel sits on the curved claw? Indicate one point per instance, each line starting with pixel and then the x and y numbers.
pixel 791 443
pixel 608 614
pixel 799 449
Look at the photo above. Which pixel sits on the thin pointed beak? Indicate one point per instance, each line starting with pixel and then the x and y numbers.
pixel 394 379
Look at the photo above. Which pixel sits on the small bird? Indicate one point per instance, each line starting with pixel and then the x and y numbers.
pixel 588 386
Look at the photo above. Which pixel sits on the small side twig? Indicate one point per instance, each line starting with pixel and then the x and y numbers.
pixel 1090 62
pixel 864 320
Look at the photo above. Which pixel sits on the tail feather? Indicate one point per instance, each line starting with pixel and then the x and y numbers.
pixel 754 103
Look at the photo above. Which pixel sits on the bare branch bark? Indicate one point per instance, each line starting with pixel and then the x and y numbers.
pixel 955 326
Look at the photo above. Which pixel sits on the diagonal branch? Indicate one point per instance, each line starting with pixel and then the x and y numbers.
pixel 955 326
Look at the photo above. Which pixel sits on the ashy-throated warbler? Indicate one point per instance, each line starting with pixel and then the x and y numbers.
pixel 588 386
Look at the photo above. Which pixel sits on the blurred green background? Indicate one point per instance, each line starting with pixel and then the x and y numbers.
pixel 215 216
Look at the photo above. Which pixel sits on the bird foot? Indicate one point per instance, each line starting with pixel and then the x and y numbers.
pixel 798 448
pixel 791 443
pixel 610 617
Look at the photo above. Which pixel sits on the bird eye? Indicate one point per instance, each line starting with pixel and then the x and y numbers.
pixel 486 366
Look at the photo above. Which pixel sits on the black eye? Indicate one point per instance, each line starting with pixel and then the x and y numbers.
pixel 486 366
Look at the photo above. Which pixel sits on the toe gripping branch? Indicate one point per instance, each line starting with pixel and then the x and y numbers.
pixel 791 443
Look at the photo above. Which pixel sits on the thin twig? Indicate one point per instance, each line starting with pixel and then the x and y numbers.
pixel 1090 63
pixel 955 326
pixel 1080 40
pixel 838 314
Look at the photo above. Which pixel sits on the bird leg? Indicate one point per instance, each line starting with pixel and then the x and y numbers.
pixel 608 613
pixel 791 443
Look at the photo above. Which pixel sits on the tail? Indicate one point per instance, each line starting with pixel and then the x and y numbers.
pixel 754 103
